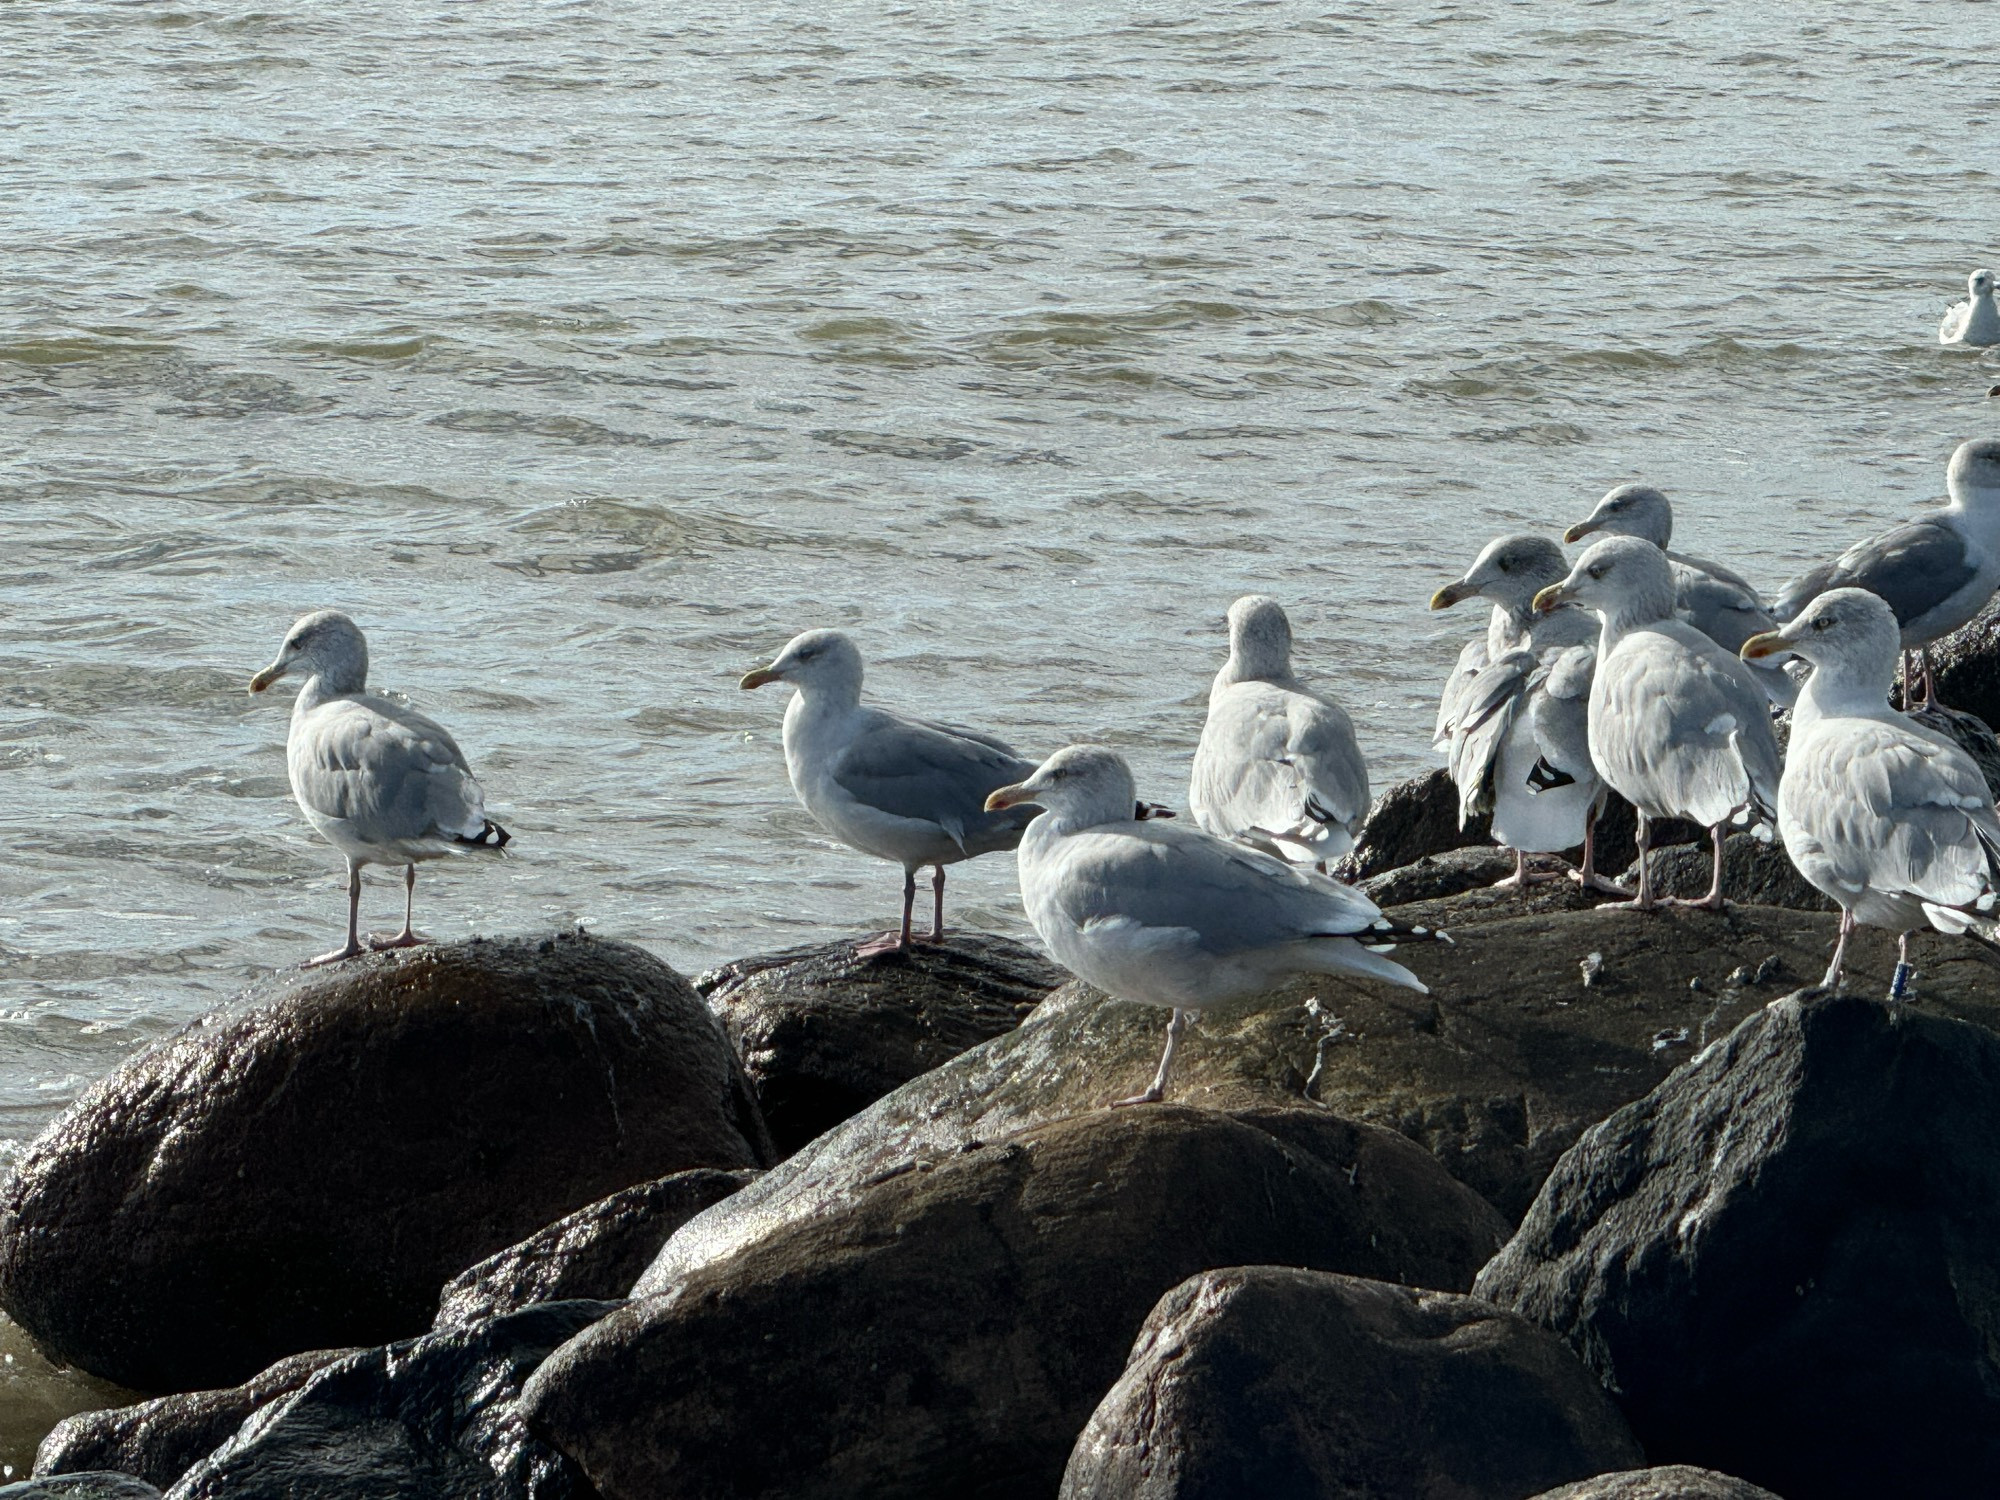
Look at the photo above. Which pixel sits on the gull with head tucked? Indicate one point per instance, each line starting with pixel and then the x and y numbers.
pixel 903 790
pixel 1936 572
pixel 1516 737
pixel 1892 821
pixel 1975 322
pixel 1277 765
pixel 1168 915
pixel 1678 727
pixel 380 782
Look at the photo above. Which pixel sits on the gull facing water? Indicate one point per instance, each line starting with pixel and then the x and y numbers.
pixel 1278 765
pixel 1936 572
pixel 1516 738
pixel 1975 322
pixel 1168 915
pixel 1678 726
pixel 380 782
pixel 903 790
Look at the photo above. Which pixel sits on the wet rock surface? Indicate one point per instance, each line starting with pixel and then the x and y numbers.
pixel 98 1486
pixel 427 1419
pixel 597 1252
pixel 1755 872
pixel 305 1168
pixel 948 1329
pixel 162 1439
pixel 824 1034
pixel 1673 1482
pixel 1785 1261
pixel 1272 1382
pixel 1966 667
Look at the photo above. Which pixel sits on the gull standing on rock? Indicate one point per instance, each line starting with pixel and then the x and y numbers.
pixel 1277 766
pixel 1892 821
pixel 1168 915
pixel 1678 726
pixel 1936 572
pixel 900 789
pixel 1716 601
pixel 1516 739
pixel 383 784
pixel 1975 322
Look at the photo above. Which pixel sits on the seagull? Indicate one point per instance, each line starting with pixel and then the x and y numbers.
pixel 1516 737
pixel 380 782
pixel 1678 726
pixel 1165 914
pixel 903 790
pixel 1975 322
pixel 1710 597
pixel 1891 820
pixel 1277 765
pixel 1937 572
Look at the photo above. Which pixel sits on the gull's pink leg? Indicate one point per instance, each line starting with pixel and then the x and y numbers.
pixel 1522 877
pixel 353 923
pixel 1157 1090
pixel 1713 900
pixel 1586 874
pixel 407 938
pixel 1644 900
pixel 1832 980
pixel 891 942
pixel 937 903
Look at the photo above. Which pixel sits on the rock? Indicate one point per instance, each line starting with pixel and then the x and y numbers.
pixel 1966 667
pixel 823 1034
pixel 1269 1381
pixel 1674 1482
pixel 162 1439
pixel 1971 734
pixel 948 1329
pixel 433 1418
pixel 1754 872
pixel 1438 875
pixel 1785 1261
pixel 596 1252
pixel 307 1167
pixel 98 1486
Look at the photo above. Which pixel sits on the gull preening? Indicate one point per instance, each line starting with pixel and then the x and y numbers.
pixel 1891 820
pixel 1277 765
pixel 1975 322
pixel 1678 726
pixel 1168 915
pixel 904 790
pixel 380 782
pixel 1936 572
pixel 1515 732
pixel 1710 597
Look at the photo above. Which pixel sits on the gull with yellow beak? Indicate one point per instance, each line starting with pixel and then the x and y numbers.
pixel 1678 727
pixel 903 790
pixel 1164 914
pixel 1891 820
pixel 380 782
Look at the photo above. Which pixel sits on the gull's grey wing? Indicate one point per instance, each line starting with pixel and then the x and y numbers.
pixel 924 772
pixel 386 771
pixel 1914 568
pixel 1280 761
pixel 1559 707
pixel 1802 590
pixel 1486 712
pixel 1721 606
pixel 1471 662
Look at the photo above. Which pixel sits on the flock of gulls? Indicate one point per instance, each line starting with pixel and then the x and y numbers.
pixel 1635 669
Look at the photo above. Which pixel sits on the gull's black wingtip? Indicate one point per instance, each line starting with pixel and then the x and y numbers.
pixel 491 836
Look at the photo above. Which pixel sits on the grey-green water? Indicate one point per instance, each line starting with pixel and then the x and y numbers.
pixel 585 352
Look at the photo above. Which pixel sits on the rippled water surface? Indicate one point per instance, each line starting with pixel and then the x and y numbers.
pixel 584 356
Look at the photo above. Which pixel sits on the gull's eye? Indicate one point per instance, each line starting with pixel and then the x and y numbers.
pixel 1824 622
pixel 1506 564
pixel 1595 570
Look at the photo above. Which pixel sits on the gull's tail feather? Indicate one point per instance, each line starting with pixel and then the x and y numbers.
pixel 490 836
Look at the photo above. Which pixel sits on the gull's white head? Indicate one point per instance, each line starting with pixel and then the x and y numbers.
pixel 1260 637
pixel 324 644
pixel 1629 510
pixel 1080 785
pixel 1626 581
pixel 1509 572
pixel 1973 475
pixel 819 661
pixel 1980 284
pixel 1849 636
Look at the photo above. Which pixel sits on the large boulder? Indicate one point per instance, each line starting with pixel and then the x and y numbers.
pixel 1670 1482
pixel 824 1034
pixel 1785 1261
pixel 948 1330
pixel 306 1168
pixel 1966 665
pixel 597 1252
pixel 434 1418
pixel 1300 1385
pixel 161 1439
